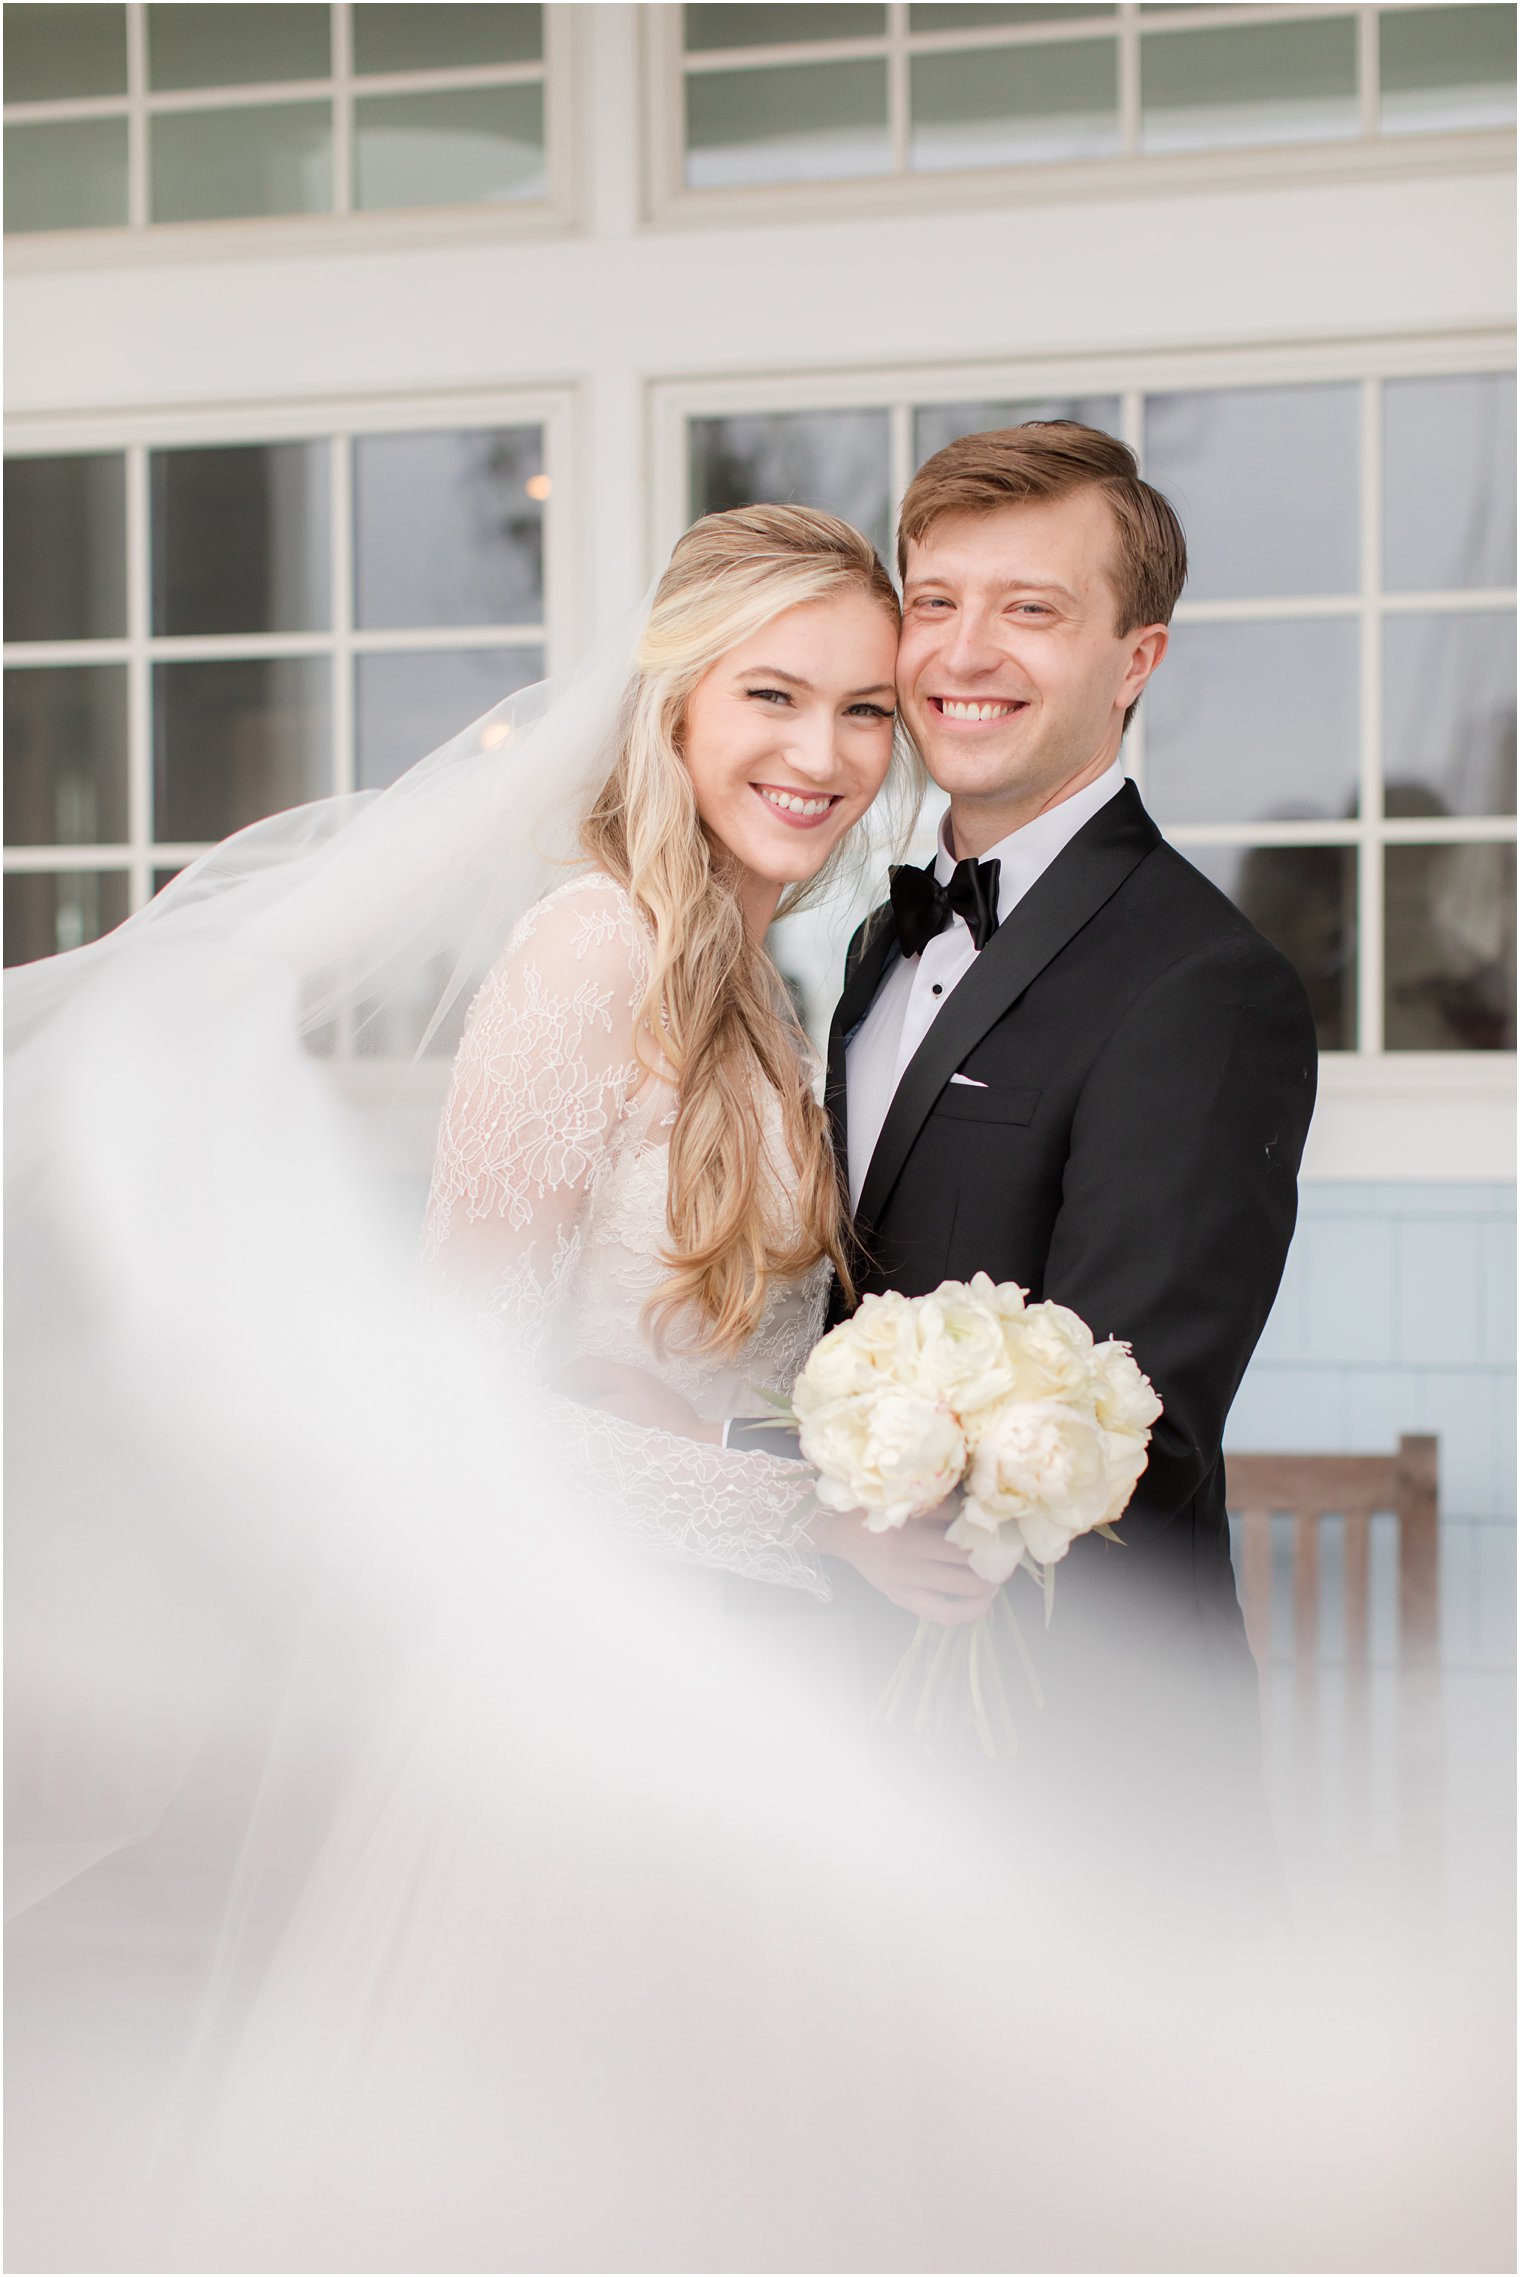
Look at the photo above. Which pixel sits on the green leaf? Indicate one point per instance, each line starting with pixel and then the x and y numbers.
pixel 1110 1536
pixel 1049 1578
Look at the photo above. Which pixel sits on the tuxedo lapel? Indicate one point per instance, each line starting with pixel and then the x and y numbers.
pixel 861 980
pixel 1074 888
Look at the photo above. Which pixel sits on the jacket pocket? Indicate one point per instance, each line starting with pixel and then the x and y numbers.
pixel 992 1103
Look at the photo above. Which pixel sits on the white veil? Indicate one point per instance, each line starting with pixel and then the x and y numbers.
pixel 401 1881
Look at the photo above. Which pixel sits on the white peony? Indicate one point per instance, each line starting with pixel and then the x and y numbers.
pixel 1122 1396
pixel 1043 1464
pixel 886 1451
pixel 996 1547
pixel 878 1342
pixel 1049 1353
pixel 962 1351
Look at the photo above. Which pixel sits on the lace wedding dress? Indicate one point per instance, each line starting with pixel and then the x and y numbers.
pixel 548 1209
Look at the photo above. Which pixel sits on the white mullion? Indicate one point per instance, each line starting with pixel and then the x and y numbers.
pixel 1186 18
pixel 1129 91
pixel 139 678
pixel 139 204
pixel 1459 603
pixel 1370 896
pixel 256 95
pixel 46 861
pixel 444 637
pixel 1368 66
pixel 899 99
pixel 1314 833
pixel 900 468
pixel 343 107
pixel 440 81
pixel 18 653
pixel 211 648
pixel 1279 608
pixel 345 768
pixel 1132 431
pixel 67 108
pixel 976 42
pixel 794 52
pixel 1449 830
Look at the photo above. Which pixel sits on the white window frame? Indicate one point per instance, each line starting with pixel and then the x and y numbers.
pixel 1130 172
pixel 345 227
pixel 1383 1115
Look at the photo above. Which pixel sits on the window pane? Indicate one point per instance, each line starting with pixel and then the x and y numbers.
pixel 66 548
pixel 61 909
pixel 231 165
pixel 779 25
pixel 968 16
pixel 66 755
pixel 53 53
pixel 472 146
pixel 441 37
pixel 409 704
pixel 247 46
pixel 236 740
pixel 837 460
pixel 1303 898
pixel 806 122
pixel 447 530
pixel 1284 82
pixel 1449 482
pixel 240 539
pixel 1015 105
pixel 1446 68
pixel 1449 712
pixel 1266 482
pixel 936 424
pixel 1255 723
pixel 67 174
pixel 1450 954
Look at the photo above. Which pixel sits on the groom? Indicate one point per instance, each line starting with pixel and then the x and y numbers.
pixel 1062 1058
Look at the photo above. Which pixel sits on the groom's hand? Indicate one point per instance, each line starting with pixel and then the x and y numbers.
pixel 912 1564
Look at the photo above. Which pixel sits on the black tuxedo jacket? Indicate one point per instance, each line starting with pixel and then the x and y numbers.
pixel 1149 1065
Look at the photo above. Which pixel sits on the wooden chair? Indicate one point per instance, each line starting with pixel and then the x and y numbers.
pixel 1308 1489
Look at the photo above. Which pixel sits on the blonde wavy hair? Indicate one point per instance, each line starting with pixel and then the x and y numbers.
pixel 717 1020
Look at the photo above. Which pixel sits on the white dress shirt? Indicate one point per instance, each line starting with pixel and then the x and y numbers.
pixel 915 989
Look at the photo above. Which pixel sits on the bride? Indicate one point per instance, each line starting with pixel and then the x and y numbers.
pixel 635 1181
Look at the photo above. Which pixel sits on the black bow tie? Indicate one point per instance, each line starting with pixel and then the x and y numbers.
pixel 924 907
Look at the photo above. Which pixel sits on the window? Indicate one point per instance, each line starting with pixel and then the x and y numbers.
pixel 766 96
pixel 132 116
pixel 1332 738
pixel 200 632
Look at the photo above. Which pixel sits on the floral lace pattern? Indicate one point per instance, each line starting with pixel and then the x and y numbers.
pixel 549 1197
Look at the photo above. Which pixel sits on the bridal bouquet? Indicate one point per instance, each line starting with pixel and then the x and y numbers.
pixel 1043 1431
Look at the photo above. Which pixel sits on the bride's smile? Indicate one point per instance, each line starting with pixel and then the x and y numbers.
pixel 787 740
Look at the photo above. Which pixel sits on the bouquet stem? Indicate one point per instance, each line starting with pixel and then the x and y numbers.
pixel 959 1681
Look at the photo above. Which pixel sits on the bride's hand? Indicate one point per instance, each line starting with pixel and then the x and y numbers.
pixel 636 1397
pixel 912 1564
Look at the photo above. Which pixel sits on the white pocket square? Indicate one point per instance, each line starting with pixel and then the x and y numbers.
pixel 975 1081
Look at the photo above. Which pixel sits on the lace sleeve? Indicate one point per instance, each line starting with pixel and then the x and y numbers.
pixel 541 1087
pixel 546 1090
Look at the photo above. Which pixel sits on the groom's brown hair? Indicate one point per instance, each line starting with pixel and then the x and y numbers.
pixel 1043 459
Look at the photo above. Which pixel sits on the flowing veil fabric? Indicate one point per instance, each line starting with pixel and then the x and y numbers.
pixel 401 1879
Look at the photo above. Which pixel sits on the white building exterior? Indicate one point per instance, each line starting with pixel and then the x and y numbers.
pixel 619 306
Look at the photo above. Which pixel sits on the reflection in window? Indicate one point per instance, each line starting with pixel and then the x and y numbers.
pixel 1449 964
pixel 275 577
pixel 1255 723
pixel 1266 482
pixel 460 146
pixel 1015 106
pixel 1449 482
pixel 1446 68
pixel 236 165
pixel 1449 711
pixel 68 174
pixel 66 548
pixel 61 909
pixel 449 528
pixel 65 755
pixel 837 460
pixel 53 54
pixel 1303 898
pixel 1248 83
pixel 803 122
pixel 410 701
pixel 235 739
